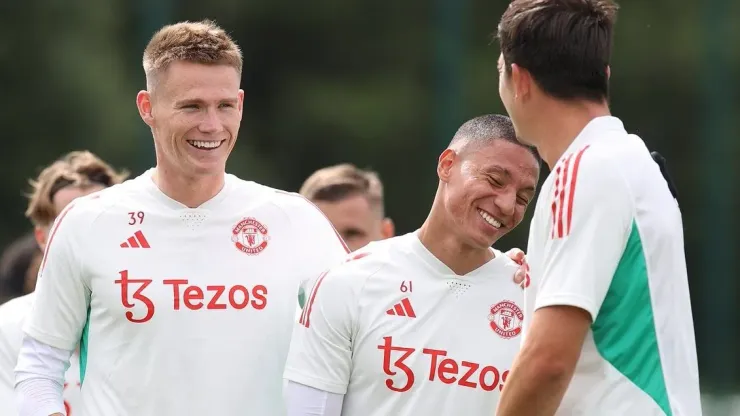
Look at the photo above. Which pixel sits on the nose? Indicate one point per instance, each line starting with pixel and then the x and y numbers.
pixel 506 203
pixel 210 123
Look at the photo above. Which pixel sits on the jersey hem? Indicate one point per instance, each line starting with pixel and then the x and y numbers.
pixel 567 300
pixel 311 381
pixel 49 340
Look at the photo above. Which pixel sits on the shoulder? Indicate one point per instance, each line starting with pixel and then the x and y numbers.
pixel 295 203
pixel 81 215
pixel 304 214
pixel 505 264
pixel 371 261
pixel 87 209
pixel 291 203
pixel 249 189
pixel 591 171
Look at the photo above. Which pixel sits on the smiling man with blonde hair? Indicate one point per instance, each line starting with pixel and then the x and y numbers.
pixel 180 285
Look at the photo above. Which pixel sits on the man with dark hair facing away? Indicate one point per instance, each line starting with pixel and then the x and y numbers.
pixel 609 329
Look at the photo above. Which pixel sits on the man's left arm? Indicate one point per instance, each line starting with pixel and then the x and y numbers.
pixel 578 266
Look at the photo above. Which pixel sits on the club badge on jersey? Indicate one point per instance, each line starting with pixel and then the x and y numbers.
pixel 250 236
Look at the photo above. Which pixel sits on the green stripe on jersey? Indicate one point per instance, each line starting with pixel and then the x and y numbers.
pixel 84 345
pixel 624 331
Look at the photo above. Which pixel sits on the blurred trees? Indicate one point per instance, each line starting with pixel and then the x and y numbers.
pixel 334 81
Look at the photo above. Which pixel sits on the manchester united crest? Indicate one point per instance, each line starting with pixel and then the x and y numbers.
pixel 250 236
pixel 506 319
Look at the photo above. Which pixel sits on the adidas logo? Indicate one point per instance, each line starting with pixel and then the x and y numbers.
pixel 136 241
pixel 402 308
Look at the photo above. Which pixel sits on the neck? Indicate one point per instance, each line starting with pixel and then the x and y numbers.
pixel 191 191
pixel 460 257
pixel 554 134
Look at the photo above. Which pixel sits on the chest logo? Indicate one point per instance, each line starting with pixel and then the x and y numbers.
pixel 250 236
pixel 506 319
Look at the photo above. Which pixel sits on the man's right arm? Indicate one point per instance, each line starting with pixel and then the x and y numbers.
pixel 320 358
pixel 55 324
pixel 303 400
pixel 40 387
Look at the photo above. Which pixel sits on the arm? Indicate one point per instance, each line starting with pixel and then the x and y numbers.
pixel 59 313
pixel 576 274
pixel 308 401
pixel 39 387
pixel 545 364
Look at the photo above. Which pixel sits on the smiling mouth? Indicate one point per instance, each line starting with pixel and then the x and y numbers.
pixel 205 145
pixel 493 222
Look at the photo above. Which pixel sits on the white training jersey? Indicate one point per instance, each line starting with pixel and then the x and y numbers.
pixel 180 311
pixel 13 314
pixel 399 333
pixel 607 237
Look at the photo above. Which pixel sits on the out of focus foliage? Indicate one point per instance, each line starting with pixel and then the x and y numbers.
pixel 331 81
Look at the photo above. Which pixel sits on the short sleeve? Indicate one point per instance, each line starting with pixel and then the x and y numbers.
pixel 321 349
pixel 62 297
pixel 591 215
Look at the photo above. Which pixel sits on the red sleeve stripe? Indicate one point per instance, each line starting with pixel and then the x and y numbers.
pixel 306 315
pixel 565 187
pixel 554 226
pixel 339 237
pixel 53 232
pixel 562 195
pixel 573 187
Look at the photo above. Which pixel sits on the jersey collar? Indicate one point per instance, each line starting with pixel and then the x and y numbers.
pixel 593 131
pixel 441 269
pixel 160 196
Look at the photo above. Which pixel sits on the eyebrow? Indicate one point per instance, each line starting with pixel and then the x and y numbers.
pixel 190 101
pixel 497 169
pixel 353 231
pixel 505 172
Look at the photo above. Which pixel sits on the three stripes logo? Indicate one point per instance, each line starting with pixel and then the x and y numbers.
pixel 565 190
pixel 402 308
pixel 136 241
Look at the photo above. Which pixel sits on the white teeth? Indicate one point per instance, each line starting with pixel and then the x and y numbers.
pixel 205 144
pixel 489 219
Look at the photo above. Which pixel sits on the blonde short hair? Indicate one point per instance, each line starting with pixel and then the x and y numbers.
pixel 80 169
pixel 201 42
pixel 335 183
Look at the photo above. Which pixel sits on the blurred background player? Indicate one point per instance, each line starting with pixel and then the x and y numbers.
pixel 76 174
pixel 181 283
pixel 426 323
pixel 609 328
pixel 19 265
pixel 352 199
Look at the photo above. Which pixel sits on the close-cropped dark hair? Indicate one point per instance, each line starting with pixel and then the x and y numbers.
pixel 490 127
pixel 565 44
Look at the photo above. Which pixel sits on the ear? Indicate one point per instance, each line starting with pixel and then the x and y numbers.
pixel 40 235
pixel 144 105
pixel 387 228
pixel 445 164
pixel 241 102
pixel 522 82
pixel 608 72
